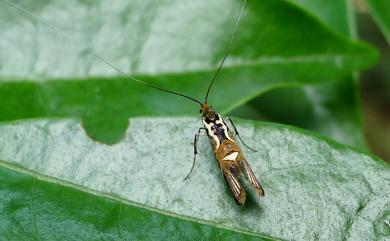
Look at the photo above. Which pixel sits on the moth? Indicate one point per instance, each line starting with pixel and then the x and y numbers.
pixel 231 159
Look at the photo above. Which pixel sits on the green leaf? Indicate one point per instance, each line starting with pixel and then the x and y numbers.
pixel 330 108
pixel 381 12
pixel 334 13
pixel 56 183
pixel 175 44
pixel 40 208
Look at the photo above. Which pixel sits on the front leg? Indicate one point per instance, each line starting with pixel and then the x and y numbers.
pixel 237 134
pixel 196 138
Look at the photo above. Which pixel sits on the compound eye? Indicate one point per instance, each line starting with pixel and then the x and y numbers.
pixel 200 111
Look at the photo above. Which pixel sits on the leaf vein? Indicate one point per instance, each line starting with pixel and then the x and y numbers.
pixel 120 222
pixel 32 212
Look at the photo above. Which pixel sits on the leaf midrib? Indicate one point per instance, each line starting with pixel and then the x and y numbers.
pixel 263 61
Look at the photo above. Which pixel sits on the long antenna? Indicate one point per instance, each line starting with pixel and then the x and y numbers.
pixel 145 83
pixel 227 51
pixel 100 57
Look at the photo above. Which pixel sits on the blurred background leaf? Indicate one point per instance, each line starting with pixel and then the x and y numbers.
pixel 58 75
pixel 331 108
pixel 373 22
pixel 380 10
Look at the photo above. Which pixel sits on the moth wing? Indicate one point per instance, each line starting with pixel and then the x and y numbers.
pixel 231 174
pixel 251 177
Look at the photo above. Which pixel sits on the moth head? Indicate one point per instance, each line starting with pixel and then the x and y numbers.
pixel 207 112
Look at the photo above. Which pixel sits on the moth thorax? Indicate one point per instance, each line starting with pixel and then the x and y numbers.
pixel 210 116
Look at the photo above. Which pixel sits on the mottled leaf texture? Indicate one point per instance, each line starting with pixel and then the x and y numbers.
pixel 176 44
pixel 57 184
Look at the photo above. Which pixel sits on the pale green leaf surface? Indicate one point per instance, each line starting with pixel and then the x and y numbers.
pixel 315 189
pixel 153 38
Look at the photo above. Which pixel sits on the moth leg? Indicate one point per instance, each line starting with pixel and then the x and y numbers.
pixel 237 134
pixel 251 177
pixel 196 138
pixel 231 174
